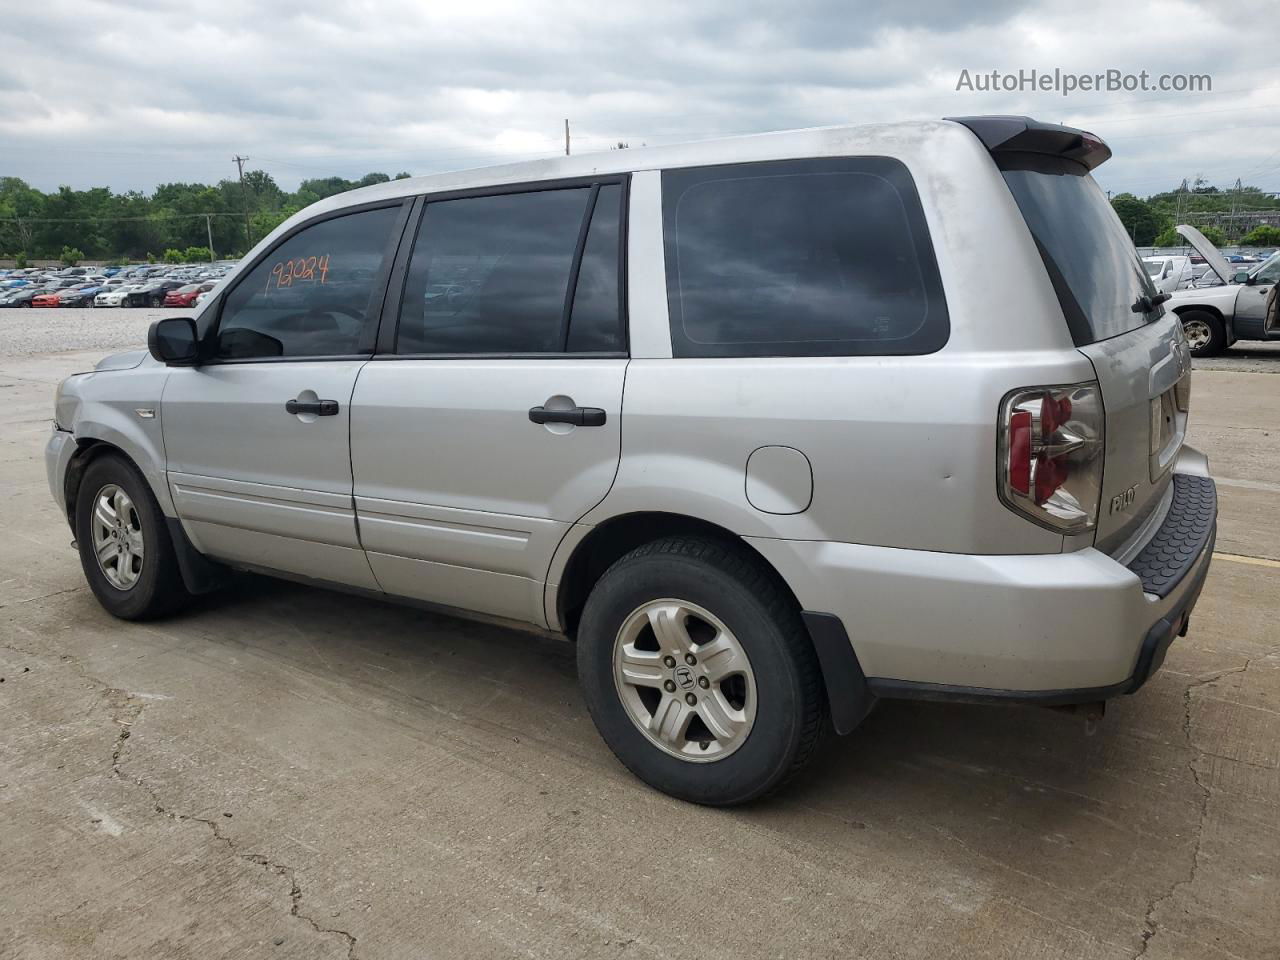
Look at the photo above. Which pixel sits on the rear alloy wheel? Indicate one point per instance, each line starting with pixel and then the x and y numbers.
pixel 684 680
pixel 1204 332
pixel 699 673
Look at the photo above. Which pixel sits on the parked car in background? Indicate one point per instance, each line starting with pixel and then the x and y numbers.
pixel 186 296
pixel 22 296
pixel 81 296
pixel 151 293
pixel 1169 273
pixel 115 295
pixel 1216 317
pixel 841 470
pixel 50 297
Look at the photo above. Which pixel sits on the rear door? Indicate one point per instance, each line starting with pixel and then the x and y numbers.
pixel 489 421
pixel 1137 349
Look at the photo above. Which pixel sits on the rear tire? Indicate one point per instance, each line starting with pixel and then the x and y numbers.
pixel 753 687
pixel 118 518
pixel 1205 333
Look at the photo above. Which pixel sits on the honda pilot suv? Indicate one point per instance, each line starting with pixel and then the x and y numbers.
pixel 751 421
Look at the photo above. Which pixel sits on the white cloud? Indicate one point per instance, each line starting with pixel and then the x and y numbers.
pixel 131 94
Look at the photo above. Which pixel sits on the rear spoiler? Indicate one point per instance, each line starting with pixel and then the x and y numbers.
pixel 1024 135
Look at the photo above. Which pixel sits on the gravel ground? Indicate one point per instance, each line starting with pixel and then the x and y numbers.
pixel 25 333
pixel 29 332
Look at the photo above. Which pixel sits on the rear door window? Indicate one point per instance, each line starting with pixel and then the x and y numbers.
pixel 516 273
pixel 826 257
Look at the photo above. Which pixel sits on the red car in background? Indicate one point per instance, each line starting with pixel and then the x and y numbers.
pixel 186 296
pixel 50 297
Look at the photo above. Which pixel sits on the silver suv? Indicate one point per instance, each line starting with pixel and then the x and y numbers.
pixel 752 421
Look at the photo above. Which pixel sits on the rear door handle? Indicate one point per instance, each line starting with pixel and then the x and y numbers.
pixel 578 416
pixel 321 408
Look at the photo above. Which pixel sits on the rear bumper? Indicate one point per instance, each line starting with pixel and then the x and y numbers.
pixel 1051 629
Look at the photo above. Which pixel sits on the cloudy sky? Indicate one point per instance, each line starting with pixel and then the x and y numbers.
pixel 132 93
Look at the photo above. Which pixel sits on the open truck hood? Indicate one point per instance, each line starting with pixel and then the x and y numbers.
pixel 1216 261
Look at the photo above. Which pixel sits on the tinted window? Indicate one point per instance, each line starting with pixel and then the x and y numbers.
pixel 1090 258
pixel 595 324
pixel 800 258
pixel 315 295
pixel 490 274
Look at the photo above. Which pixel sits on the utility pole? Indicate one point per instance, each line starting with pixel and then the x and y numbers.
pixel 208 225
pixel 244 200
pixel 566 136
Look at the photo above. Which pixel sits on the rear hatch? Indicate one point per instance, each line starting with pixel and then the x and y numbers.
pixel 1111 308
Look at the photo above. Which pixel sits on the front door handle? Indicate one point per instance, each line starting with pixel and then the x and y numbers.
pixel 321 408
pixel 578 416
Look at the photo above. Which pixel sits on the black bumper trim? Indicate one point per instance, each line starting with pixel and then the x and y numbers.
pixel 1176 546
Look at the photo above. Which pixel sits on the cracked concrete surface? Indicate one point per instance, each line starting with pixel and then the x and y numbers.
pixel 283 772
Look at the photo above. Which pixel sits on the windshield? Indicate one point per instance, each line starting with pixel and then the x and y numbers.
pixel 1154 267
pixel 1269 271
pixel 1090 258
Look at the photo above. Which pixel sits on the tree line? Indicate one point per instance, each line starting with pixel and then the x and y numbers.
pixel 1151 220
pixel 100 224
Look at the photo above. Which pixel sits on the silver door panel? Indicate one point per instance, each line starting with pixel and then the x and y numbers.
pixel 467 538
pixel 312 515
pixel 482 591
pixel 317 561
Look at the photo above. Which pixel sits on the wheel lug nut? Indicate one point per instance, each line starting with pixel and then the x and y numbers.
pixel 690 699
pixel 669 686
pixel 703 682
pixel 669 661
pixel 690 659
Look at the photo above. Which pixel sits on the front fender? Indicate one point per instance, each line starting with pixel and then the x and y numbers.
pixel 121 408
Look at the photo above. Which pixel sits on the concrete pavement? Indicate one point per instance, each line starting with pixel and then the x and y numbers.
pixel 285 772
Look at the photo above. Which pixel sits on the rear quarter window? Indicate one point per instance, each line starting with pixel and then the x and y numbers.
pixel 823 257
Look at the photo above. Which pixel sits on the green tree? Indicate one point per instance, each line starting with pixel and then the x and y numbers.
pixel 20 261
pixel 1141 220
pixel 196 255
pixel 1169 238
pixel 1262 236
pixel 1214 235
pixel 173 256
pixel 71 256
pixel 402 175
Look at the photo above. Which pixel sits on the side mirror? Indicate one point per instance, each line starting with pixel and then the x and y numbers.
pixel 1242 276
pixel 173 342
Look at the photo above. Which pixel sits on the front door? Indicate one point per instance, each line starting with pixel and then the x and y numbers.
pixel 258 437
pixel 1251 303
pixel 491 423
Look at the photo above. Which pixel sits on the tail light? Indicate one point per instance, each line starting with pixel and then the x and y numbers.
pixel 1051 455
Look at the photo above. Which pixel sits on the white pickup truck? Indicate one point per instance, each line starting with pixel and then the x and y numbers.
pixel 1216 317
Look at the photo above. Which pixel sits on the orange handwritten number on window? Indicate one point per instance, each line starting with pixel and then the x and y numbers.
pixel 302 268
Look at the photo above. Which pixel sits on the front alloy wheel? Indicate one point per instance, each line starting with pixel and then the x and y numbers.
pixel 117 537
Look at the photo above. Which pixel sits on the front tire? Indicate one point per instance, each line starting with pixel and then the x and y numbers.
pixel 698 671
pixel 125 549
pixel 1205 333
